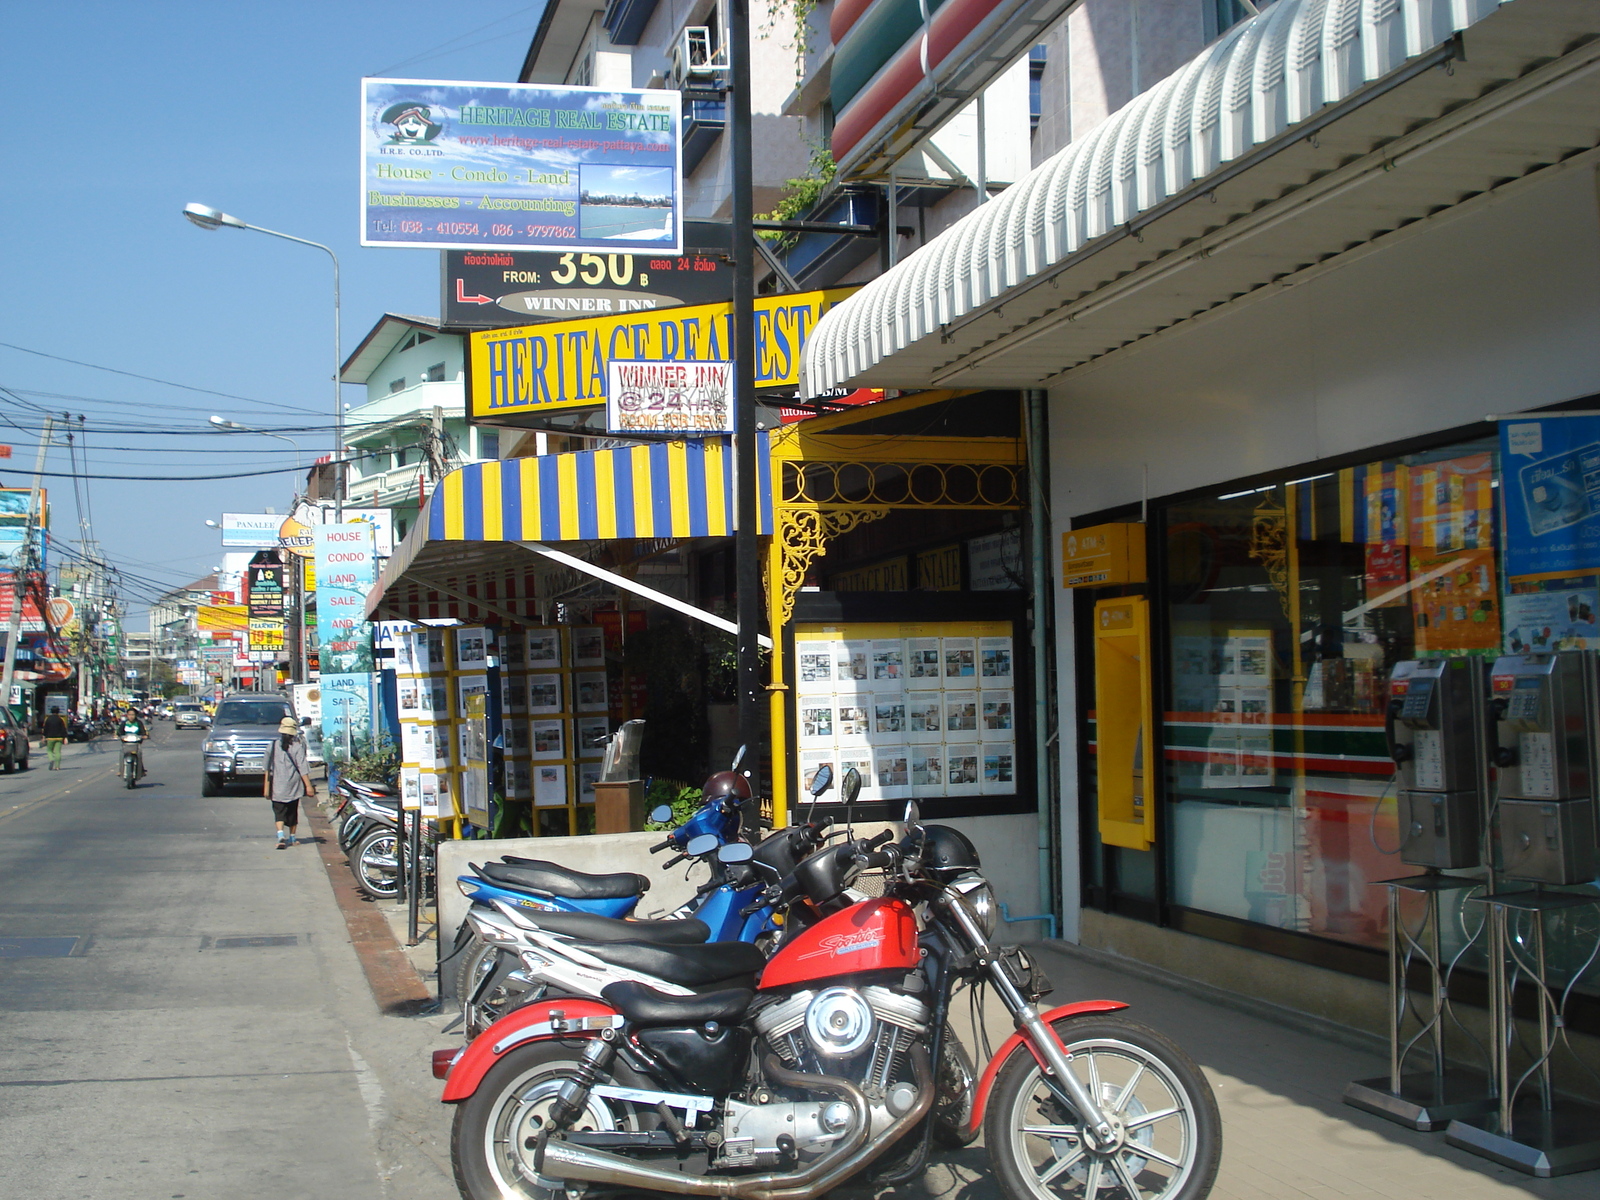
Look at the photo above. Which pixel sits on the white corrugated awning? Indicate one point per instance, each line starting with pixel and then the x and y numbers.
pixel 1307 134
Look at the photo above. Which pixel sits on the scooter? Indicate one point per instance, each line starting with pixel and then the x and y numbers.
pixel 130 756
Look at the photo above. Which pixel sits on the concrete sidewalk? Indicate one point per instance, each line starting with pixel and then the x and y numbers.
pixel 1278 1077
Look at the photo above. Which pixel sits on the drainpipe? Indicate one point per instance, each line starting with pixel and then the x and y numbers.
pixel 1034 400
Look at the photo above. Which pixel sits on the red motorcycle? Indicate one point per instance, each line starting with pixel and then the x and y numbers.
pixel 836 1061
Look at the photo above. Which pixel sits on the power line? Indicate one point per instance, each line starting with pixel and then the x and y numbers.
pixel 153 379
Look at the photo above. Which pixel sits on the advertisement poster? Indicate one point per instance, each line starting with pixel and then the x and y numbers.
pixel 1556 618
pixel 1551 473
pixel 495 166
pixel 347 567
pixel 669 397
pixel 265 591
pixel 256 530
pixel 1455 602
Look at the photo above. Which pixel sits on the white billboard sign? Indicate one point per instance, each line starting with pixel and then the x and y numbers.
pixel 685 398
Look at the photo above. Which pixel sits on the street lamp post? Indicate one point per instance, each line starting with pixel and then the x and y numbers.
pixel 210 218
pixel 235 427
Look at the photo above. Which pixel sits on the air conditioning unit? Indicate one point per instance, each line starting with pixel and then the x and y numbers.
pixel 694 63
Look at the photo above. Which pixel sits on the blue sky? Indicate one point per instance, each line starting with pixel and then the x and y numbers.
pixel 119 115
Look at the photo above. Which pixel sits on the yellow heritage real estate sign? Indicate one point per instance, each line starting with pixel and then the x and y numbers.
pixel 536 369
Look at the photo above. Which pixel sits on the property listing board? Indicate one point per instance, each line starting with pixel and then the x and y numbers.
pixel 919 709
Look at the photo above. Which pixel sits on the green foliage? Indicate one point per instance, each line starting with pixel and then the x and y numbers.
pixel 799 39
pixel 378 763
pixel 682 798
pixel 801 196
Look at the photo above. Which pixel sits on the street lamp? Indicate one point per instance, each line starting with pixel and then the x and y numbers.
pixel 235 427
pixel 206 217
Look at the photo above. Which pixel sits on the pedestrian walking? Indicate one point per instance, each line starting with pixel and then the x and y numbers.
pixel 288 779
pixel 55 737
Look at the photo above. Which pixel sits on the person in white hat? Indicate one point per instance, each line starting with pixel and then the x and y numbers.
pixel 288 779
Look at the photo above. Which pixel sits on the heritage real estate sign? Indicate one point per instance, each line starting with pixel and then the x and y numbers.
pixel 494 166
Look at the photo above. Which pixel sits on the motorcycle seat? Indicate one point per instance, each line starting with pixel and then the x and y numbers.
pixel 692 966
pixel 587 927
pixel 376 791
pixel 556 880
pixel 643 1005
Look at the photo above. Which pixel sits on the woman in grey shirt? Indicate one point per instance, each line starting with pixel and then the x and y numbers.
pixel 288 779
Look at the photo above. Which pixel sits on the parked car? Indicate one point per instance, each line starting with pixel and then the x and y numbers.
pixel 13 743
pixel 236 748
pixel 190 716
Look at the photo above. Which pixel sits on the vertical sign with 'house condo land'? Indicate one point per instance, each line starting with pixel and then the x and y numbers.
pixel 494 166
pixel 347 567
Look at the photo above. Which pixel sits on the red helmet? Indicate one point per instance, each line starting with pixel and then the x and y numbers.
pixel 729 785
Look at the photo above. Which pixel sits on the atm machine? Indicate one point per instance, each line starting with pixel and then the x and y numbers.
pixel 1545 723
pixel 1435 726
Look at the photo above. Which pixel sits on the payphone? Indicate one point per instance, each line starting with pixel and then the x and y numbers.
pixel 1544 709
pixel 1435 722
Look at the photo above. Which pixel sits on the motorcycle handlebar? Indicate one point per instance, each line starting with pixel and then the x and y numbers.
pixel 673 861
pixel 660 846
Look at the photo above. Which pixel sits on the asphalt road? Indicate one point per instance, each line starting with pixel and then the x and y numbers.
pixel 162 1058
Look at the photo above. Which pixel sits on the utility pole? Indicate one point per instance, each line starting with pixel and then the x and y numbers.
pixel 747 547
pixel 24 566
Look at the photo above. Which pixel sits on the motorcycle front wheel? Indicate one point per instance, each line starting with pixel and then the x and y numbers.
pixel 376 864
pixel 1169 1134
pixel 492 1128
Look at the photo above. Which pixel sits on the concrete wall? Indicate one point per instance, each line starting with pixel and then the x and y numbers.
pixel 1006 846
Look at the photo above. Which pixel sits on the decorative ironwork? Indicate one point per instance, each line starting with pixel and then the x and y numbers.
pixel 803 534
pixel 903 484
pixel 1269 546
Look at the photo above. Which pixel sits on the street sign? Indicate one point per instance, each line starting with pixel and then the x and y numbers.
pixel 503 287
pixel 520 166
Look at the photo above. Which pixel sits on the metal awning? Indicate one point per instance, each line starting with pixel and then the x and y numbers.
pixel 1316 132
pixel 501 540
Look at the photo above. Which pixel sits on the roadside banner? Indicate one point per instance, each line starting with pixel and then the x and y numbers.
pixel 496 166
pixel 347 568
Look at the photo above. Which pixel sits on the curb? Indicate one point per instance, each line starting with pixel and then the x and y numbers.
pixel 397 989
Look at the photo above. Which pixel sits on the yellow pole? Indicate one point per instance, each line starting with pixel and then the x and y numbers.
pixel 778 690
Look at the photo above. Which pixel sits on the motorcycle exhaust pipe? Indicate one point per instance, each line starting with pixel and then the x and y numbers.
pixel 851 1155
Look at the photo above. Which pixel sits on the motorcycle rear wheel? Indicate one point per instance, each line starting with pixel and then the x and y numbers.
pixel 1170 1133
pixel 488 1135
pixel 478 959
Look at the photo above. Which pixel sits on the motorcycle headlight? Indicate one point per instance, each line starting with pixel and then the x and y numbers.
pixel 979 897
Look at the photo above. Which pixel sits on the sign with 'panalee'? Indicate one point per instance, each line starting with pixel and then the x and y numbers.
pixel 669 397
pixel 496 166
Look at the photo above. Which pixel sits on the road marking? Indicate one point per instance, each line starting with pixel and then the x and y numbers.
pixel 367 1084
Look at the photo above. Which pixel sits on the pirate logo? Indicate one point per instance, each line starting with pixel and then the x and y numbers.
pixel 413 124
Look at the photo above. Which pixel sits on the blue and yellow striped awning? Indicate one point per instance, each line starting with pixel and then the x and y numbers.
pixel 665 490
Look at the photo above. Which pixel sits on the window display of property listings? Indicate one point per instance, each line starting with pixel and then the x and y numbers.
pixel 919 709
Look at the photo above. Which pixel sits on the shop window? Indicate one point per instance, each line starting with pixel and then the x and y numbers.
pixel 1286 607
pixel 1037 59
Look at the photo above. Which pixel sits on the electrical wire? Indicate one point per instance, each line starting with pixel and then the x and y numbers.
pixel 153 379
pixel 441 49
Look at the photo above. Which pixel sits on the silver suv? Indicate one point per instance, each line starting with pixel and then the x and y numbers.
pixel 236 746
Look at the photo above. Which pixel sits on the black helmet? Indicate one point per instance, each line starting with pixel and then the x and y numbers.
pixel 947 853
pixel 727 785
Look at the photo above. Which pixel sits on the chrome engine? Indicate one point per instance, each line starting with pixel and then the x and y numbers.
pixel 857 1034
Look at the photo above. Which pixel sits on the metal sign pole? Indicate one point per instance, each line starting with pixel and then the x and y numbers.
pixel 747 550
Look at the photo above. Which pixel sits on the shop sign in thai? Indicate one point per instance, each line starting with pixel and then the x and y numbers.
pixel 265 590
pixel 504 287
pixel 1550 471
pixel 533 370
pixel 1103 555
pixel 495 166
pixel 347 567
pixel 669 397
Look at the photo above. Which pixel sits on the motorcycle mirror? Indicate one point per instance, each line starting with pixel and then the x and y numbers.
pixel 704 844
pixel 305 720
pixel 822 780
pixel 735 852
pixel 913 813
pixel 738 757
pixel 661 814
pixel 851 788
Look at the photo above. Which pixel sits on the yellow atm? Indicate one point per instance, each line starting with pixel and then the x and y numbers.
pixel 1123 720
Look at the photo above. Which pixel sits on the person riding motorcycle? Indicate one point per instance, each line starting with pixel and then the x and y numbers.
pixel 131 724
